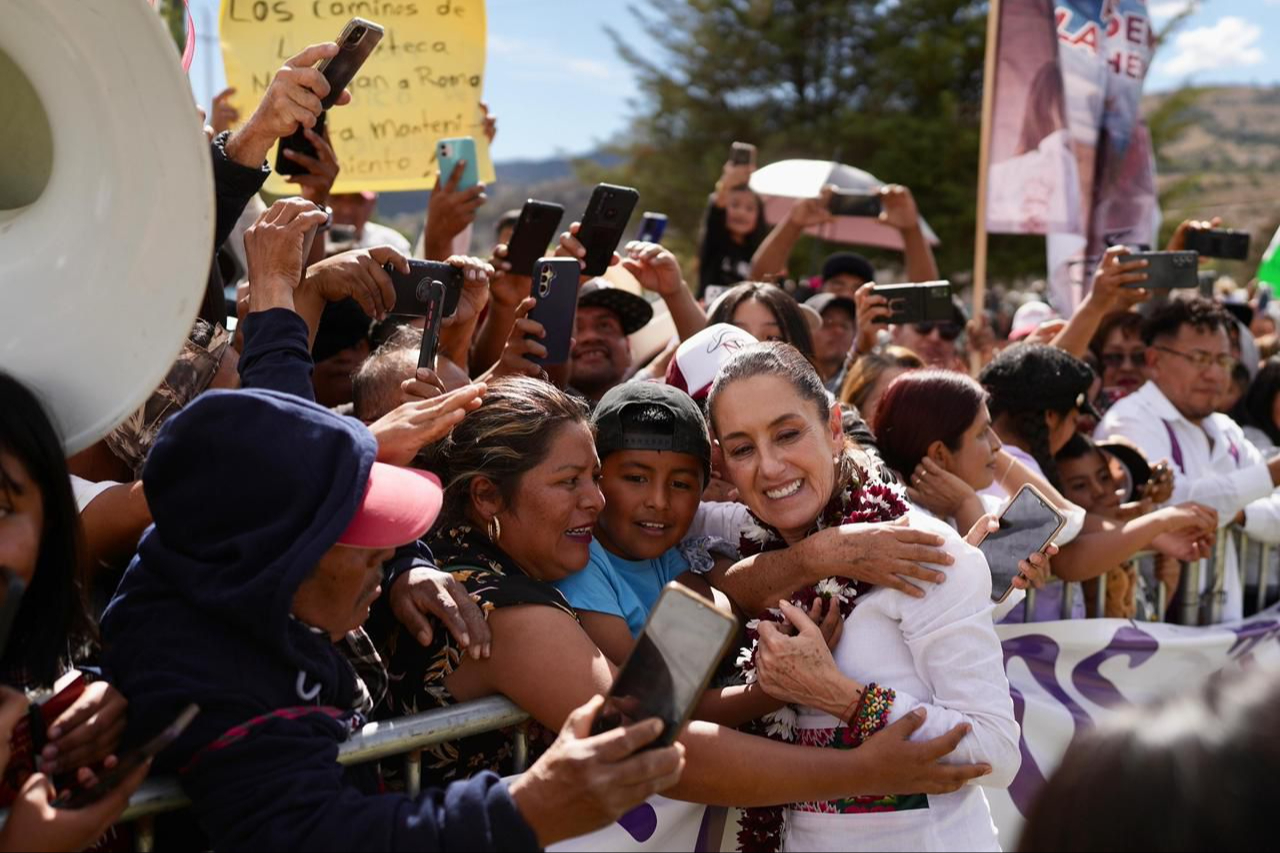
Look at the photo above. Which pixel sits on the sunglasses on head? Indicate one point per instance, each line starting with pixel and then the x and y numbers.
pixel 948 331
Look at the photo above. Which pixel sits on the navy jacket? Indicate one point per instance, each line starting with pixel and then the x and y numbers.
pixel 248 489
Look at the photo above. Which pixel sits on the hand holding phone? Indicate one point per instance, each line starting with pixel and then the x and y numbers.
pixel 355 44
pixel 534 232
pixel 1166 270
pixel 603 224
pixel 742 154
pixel 1027 526
pixel 1219 243
pixel 128 763
pixel 451 152
pixel 413 294
pixel 923 302
pixel 652 227
pixel 668 669
pixel 853 203
pixel 555 286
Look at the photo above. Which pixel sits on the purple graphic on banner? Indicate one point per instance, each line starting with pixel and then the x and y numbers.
pixel 1132 643
pixel 640 823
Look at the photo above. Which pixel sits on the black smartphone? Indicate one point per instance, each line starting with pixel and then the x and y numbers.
pixel 412 288
pixel 604 223
pixel 355 44
pixel 851 203
pixel 652 227
pixel 922 302
pixel 534 232
pixel 555 286
pixel 1167 270
pixel 1027 525
pixel 667 672
pixel 742 154
pixel 129 762
pixel 14 587
pixel 1219 243
pixel 431 329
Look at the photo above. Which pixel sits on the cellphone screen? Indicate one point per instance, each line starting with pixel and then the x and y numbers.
pixel 1026 526
pixel 668 669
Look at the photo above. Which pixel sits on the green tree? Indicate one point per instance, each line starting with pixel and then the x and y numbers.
pixel 893 88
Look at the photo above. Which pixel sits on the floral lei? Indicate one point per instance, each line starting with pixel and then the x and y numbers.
pixel 859 501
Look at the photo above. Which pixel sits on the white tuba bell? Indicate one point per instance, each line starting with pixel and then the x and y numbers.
pixel 106 207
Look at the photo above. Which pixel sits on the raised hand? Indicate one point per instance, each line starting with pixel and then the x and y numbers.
pixel 322 170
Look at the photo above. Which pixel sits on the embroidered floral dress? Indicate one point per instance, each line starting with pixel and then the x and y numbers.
pixel 418 673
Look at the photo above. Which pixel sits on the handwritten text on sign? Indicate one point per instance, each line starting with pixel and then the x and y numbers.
pixel 423 82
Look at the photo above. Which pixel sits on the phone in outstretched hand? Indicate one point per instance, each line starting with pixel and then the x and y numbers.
pixel 129 762
pixel 852 203
pixel 431 329
pixel 652 227
pixel 742 154
pixel 668 669
pixel 355 44
pixel 1166 270
pixel 1027 526
pixel 1219 243
pixel 555 286
pixel 603 224
pixel 534 232
pixel 919 302
pixel 413 288
pixel 449 152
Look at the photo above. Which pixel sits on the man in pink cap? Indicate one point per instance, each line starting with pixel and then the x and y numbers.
pixel 248 597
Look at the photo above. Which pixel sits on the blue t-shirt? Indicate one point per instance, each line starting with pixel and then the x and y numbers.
pixel 625 588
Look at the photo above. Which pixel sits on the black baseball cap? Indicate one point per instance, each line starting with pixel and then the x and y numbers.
pixel 633 311
pixel 850 263
pixel 651 416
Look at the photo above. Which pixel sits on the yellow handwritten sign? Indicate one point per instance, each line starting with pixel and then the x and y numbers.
pixel 423 82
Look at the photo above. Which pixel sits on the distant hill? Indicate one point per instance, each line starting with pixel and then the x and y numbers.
pixel 549 180
pixel 1227 163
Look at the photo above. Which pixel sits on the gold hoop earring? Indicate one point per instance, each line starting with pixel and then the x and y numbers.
pixel 495 530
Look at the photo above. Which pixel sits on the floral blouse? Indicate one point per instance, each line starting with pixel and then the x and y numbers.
pixel 418 673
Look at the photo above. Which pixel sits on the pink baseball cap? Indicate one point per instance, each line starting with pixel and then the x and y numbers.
pixel 400 505
pixel 699 359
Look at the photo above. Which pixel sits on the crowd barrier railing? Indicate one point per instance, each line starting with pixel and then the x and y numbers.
pixel 1202 584
pixel 406 736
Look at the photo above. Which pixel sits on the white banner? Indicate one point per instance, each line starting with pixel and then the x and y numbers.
pixel 1064 677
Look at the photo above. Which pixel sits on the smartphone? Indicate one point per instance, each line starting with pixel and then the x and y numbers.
pixel 1027 525
pixel 742 154
pixel 1219 243
pixel 449 152
pixel 13 587
pixel 413 289
pixel 652 227
pixel 852 203
pixel 608 213
pixel 1166 270
pixel 923 302
pixel 667 672
pixel 555 285
pixel 355 44
pixel 431 330
pixel 129 762
pixel 534 232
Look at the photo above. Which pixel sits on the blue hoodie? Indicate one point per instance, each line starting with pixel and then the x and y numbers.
pixel 248 490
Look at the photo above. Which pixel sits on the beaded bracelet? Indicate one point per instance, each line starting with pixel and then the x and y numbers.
pixel 871 712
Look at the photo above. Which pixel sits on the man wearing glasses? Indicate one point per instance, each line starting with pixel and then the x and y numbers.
pixel 1172 417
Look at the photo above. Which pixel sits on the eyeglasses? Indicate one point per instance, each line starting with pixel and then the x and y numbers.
pixel 1118 359
pixel 948 331
pixel 1203 360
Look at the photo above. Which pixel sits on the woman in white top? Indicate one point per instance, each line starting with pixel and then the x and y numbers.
pixel 785 451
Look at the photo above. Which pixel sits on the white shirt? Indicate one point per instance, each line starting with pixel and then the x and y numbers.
pixel 1213 464
pixel 940 652
pixel 86 490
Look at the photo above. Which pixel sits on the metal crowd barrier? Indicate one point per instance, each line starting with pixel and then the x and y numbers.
pixel 404 735
pixel 1196 606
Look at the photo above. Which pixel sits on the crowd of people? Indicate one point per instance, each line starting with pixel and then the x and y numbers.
pixel 305 530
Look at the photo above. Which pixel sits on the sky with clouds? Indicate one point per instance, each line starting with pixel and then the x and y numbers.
pixel 557 85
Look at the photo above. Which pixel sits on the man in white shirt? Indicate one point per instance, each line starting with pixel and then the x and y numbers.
pixel 1172 417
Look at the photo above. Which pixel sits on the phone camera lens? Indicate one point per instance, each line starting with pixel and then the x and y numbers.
pixel 356 35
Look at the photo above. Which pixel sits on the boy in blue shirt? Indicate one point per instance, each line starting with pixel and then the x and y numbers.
pixel 655 457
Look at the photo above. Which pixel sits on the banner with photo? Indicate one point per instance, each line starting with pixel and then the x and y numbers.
pixel 1104 50
pixel 1065 676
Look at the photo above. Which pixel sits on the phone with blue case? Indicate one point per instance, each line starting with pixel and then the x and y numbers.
pixel 449 152
pixel 555 286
